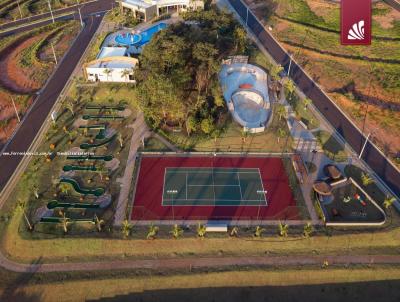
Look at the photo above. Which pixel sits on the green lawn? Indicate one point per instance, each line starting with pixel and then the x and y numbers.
pixel 332 148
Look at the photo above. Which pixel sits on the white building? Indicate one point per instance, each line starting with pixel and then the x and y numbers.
pixel 111 65
pixel 149 9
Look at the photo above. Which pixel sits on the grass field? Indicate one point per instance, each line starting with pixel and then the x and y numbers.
pixel 345 284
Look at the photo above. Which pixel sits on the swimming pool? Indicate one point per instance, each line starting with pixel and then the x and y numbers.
pixel 139 39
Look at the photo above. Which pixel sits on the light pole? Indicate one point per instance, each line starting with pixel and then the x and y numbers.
pixel 79 11
pixel 365 143
pixel 54 53
pixel 51 12
pixel 15 108
pixel 19 8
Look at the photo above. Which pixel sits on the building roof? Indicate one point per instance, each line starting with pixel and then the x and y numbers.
pixel 107 52
pixel 139 3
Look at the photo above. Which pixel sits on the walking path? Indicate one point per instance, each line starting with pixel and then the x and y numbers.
pixel 140 131
pixel 207 262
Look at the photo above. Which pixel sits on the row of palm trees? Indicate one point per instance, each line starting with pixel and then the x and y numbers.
pixel 177 231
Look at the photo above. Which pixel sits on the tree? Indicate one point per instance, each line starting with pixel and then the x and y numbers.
pixel 258 232
pixel 307 102
pixel 126 228
pixel 207 126
pixel 107 72
pixel 290 87
pixel 36 191
pixel 98 222
pixel 366 179
pixel 281 111
pixel 65 221
pixel 234 232
pixel 125 73
pixel 388 202
pixel 275 72
pixel 152 233
pixel 281 134
pixel 70 107
pixel 120 140
pixel 64 188
pixel 308 230
pixel 191 124
pixel 243 134
pixel 176 231
pixel 283 229
pixel 201 230
pixel 240 37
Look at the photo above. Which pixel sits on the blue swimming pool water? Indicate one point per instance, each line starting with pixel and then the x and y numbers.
pixel 140 39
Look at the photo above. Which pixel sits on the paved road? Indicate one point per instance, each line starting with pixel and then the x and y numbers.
pixel 351 134
pixel 393 3
pixel 49 94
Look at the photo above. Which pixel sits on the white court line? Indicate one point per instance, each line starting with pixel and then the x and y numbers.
pixel 240 188
pixel 265 197
pixel 186 185
pixel 213 185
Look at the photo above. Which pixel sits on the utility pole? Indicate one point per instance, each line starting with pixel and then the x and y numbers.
pixel 51 12
pixel 15 108
pixel 54 53
pixel 79 11
pixel 365 143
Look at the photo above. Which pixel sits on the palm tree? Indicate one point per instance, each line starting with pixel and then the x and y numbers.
pixel 126 228
pixel 176 231
pixel 65 222
pixel 69 106
pixel 234 232
pixel 125 73
pixel 366 179
pixel 153 230
pixel 244 134
pixel 283 229
pixel 98 222
pixel 107 72
pixel 281 111
pixel 388 202
pixel 258 232
pixel 120 140
pixel 64 188
pixel 36 191
pixel 308 230
pixel 201 230
pixel 281 134
pixel 306 103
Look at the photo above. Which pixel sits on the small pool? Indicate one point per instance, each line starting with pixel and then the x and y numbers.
pixel 139 39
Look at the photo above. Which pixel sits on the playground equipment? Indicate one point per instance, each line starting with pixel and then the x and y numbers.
pixel 91 157
pixel 358 197
pixel 67 168
pixel 346 199
pixel 105 107
pixel 94 145
pixel 84 191
pixel 57 204
pixel 99 117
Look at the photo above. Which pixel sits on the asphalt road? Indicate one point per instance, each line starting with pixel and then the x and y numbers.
pixel 351 134
pixel 42 105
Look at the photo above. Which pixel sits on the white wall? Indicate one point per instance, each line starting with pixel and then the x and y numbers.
pixel 114 76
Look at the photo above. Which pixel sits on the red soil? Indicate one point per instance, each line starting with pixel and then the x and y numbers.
pixel 148 197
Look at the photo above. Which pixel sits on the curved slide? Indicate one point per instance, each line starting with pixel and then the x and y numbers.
pixel 94 145
pixel 84 191
pixel 57 204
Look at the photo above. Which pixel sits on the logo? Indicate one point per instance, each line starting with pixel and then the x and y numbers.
pixel 357 31
pixel 355 23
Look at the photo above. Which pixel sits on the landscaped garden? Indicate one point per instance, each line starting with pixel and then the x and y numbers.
pixel 26 62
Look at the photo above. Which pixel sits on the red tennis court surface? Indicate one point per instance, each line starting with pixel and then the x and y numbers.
pixel 147 204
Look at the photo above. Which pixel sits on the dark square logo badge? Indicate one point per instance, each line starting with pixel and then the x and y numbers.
pixel 355 22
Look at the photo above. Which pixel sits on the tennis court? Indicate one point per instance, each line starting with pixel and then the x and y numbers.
pixel 213 186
